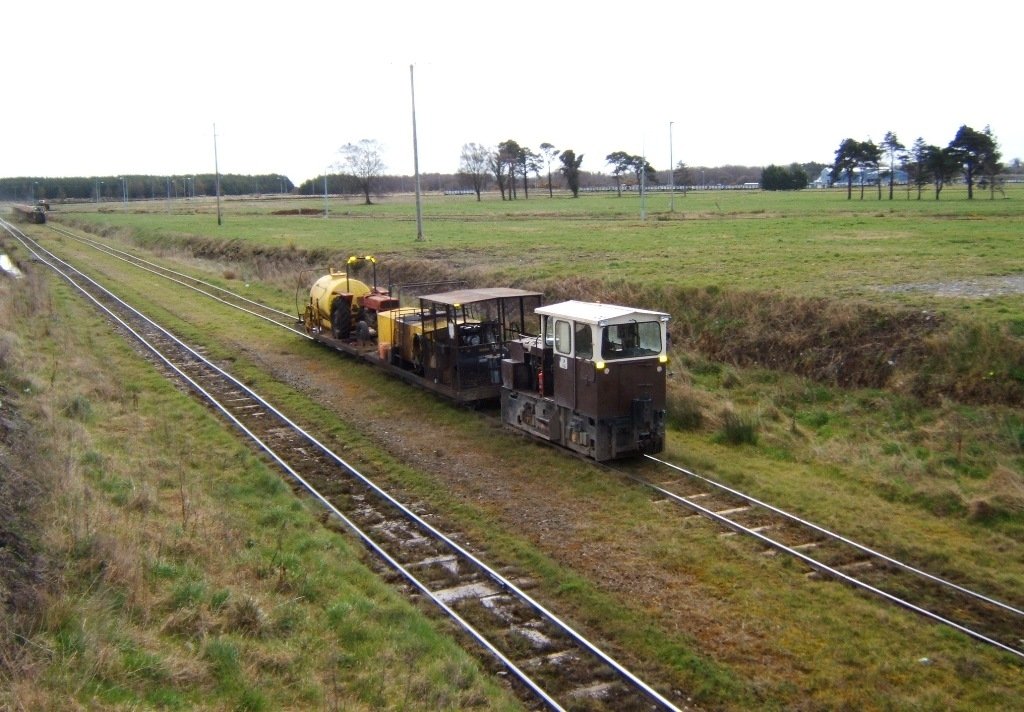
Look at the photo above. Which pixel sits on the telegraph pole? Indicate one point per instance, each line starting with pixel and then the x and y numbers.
pixel 416 160
pixel 671 172
pixel 216 171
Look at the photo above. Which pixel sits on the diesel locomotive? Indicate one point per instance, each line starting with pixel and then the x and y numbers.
pixel 586 376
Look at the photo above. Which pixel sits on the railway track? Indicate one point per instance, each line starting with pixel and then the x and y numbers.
pixel 249 306
pixel 824 553
pixel 828 554
pixel 549 661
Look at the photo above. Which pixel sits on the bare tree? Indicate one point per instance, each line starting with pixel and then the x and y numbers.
pixel 499 167
pixel 475 164
pixel 529 162
pixel 364 163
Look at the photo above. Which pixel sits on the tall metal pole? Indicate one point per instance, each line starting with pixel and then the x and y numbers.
pixel 671 172
pixel 216 171
pixel 416 160
pixel 643 184
pixel 325 194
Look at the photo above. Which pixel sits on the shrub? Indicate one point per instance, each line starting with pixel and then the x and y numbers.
pixel 247 618
pixel 737 430
pixel 684 412
pixel 79 408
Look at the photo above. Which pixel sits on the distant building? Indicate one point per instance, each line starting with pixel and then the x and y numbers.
pixel 867 177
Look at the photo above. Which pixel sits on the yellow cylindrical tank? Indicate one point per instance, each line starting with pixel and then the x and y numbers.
pixel 321 294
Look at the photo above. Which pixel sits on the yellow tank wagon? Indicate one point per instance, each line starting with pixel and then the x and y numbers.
pixel 338 302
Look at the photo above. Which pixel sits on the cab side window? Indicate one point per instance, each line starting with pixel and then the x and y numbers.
pixel 563 337
pixel 584 341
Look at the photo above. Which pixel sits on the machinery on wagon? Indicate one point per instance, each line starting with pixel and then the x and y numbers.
pixel 585 376
pixel 338 302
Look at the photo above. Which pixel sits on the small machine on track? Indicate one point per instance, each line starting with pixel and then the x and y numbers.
pixel 586 376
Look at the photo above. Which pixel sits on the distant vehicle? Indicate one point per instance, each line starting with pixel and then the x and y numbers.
pixel 30 213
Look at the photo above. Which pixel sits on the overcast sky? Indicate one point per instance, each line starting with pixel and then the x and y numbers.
pixel 107 88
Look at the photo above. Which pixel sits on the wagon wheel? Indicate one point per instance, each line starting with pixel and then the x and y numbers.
pixel 341 319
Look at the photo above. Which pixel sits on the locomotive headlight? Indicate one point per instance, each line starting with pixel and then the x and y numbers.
pixel 663 358
pixel 599 365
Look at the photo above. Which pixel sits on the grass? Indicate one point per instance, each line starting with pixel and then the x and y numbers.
pixel 804 244
pixel 858 293
pixel 969 359
pixel 879 463
pixel 184 574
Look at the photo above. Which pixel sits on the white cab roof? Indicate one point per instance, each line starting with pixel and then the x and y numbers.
pixel 600 314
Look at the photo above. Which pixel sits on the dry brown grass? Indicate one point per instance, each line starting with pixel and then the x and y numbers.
pixel 1003 497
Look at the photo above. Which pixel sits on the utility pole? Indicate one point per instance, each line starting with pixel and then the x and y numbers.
pixel 671 172
pixel 416 160
pixel 643 183
pixel 216 171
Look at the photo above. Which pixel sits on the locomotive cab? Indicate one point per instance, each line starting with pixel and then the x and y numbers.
pixel 593 382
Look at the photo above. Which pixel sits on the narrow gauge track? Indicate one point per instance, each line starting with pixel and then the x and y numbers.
pixel 551 663
pixel 827 553
pixel 213 291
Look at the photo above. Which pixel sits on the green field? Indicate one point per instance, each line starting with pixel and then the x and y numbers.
pixel 924 293
pixel 810 243
pixel 768 292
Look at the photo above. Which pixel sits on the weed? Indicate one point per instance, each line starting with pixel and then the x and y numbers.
pixel 251 700
pixel 737 430
pixel 815 419
pixel 218 599
pixel 684 412
pixel 730 379
pixel 247 618
pixel 187 594
pixel 223 657
pixel 78 408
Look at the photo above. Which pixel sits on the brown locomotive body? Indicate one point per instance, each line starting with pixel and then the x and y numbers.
pixel 593 382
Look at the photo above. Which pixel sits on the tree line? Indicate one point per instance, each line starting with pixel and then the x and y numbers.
pixel 139 187
pixel 972 154
pixel 509 166
pixel 360 170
